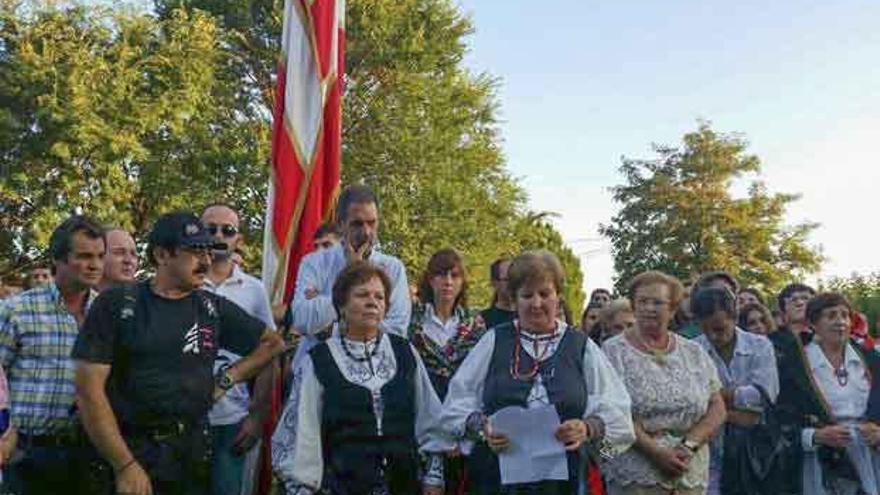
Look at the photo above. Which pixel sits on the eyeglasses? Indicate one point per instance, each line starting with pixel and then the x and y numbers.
pixel 226 229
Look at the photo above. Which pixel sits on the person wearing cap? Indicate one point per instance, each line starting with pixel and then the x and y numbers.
pixel 145 356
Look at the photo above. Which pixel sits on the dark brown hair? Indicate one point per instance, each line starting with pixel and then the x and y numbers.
pixel 789 290
pixel 61 241
pixel 443 261
pixel 358 273
pixel 755 292
pixel 823 301
pixel 707 278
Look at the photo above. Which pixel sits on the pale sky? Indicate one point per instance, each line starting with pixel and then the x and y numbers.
pixel 584 82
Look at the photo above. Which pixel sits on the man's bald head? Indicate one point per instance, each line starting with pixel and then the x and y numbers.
pixel 120 258
pixel 222 221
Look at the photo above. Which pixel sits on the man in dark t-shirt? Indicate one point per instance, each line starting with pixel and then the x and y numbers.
pixel 145 358
pixel 502 309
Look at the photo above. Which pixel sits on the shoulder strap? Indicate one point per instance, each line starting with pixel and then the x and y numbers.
pixel 128 307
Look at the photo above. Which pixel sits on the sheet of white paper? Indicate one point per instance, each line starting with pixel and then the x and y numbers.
pixel 534 453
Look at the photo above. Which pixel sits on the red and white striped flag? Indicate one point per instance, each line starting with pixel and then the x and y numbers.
pixel 305 155
pixel 306 138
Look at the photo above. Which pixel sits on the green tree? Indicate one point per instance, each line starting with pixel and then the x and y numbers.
pixel 110 113
pixel 417 127
pixel 127 115
pixel 536 232
pixel 678 215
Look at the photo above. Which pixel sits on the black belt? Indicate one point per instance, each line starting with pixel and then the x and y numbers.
pixel 162 431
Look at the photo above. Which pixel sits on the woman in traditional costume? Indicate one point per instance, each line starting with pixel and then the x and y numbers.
pixel 537 361
pixel 443 330
pixel 834 404
pixel 363 414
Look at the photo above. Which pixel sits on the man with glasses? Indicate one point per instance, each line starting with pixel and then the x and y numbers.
pixel 792 302
pixel 145 377
pixel 39 276
pixel 237 419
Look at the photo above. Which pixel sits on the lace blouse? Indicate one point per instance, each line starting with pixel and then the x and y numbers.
pixel 668 398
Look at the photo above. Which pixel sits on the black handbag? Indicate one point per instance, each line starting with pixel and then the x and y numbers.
pixel 758 459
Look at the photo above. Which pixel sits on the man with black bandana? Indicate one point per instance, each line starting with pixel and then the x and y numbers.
pixel 145 357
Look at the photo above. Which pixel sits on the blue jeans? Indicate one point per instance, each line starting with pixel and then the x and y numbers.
pixel 226 466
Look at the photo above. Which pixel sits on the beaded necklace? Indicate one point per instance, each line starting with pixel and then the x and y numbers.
pixel 539 356
pixel 840 372
pixel 658 355
pixel 368 356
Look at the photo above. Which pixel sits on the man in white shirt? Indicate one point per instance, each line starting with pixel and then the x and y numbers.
pixel 357 216
pixel 237 419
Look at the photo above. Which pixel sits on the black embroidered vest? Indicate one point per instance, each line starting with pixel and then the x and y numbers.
pixel 357 457
pixel 563 378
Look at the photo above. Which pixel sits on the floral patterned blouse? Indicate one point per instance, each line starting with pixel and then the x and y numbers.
pixel 668 398
pixel 442 360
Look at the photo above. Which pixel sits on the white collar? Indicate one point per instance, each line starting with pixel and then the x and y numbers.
pixel 234 278
pixel 431 315
pixel 557 333
pixel 818 359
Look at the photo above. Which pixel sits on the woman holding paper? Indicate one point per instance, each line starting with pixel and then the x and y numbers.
pixel 362 408
pixel 534 362
pixel 676 400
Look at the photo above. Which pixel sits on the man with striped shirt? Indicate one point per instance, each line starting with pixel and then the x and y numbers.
pixel 37 331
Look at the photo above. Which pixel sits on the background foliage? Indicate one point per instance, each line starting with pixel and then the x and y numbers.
pixel 678 214
pixel 127 114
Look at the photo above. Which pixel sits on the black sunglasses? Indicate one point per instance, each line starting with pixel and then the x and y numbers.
pixel 226 229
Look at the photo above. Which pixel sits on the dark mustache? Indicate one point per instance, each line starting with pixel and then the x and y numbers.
pixel 201 269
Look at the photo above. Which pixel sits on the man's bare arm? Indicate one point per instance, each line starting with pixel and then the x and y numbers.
pixel 101 426
pixel 97 415
pixel 270 346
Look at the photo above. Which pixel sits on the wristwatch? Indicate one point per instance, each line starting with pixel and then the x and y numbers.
pixel 690 445
pixel 223 379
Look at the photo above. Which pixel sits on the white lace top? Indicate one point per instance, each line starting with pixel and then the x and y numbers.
pixel 668 398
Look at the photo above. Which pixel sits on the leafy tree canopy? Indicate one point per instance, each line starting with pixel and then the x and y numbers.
pixel 127 115
pixel 678 215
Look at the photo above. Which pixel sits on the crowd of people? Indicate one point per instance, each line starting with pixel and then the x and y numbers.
pixel 117 379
